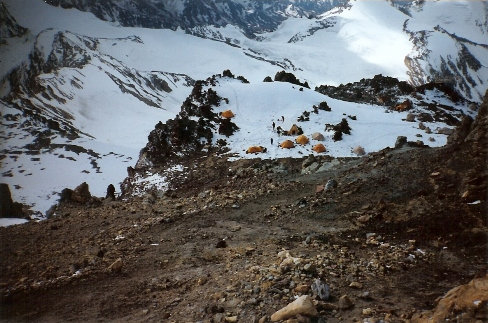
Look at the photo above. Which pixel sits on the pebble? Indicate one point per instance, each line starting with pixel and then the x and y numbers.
pixel 345 302
pixel 331 184
pixel 321 289
pixel 367 311
pixel 356 285
pixel 116 266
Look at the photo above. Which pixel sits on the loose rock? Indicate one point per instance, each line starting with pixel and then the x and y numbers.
pixel 302 305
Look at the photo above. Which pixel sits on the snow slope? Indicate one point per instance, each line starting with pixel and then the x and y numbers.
pixel 257 106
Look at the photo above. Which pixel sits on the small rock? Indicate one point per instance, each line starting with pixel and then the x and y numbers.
pixel 410 117
pixel 365 295
pixel 319 188
pixel 145 311
pixel 445 131
pixel 364 218
pixel 359 151
pixel 302 288
pixel 263 319
pixel 231 319
pixel 367 311
pixel 345 302
pixel 302 305
pixel 116 266
pixel 321 289
pixel 331 184
pixel 400 141
pixel 356 285
pixel 221 244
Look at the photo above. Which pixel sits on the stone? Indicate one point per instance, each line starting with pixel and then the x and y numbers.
pixel 367 311
pixel 468 301
pixel 81 194
pixel 319 188
pixel 302 288
pixel 445 131
pixel 321 289
pixel 359 151
pixel 364 218
pixel 9 208
pixel 345 302
pixel 221 244
pixel 110 192
pixel 356 285
pixel 400 141
pixel 331 184
pixel 302 305
pixel 410 117
pixel 116 266
pixel 231 319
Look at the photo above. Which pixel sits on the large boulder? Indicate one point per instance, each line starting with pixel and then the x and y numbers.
pixel 81 194
pixel 9 208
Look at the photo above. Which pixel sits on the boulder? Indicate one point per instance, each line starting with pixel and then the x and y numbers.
pixel 9 208
pixel 359 151
pixel 400 141
pixel 81 194
pixel 110 192
pixel 466 303
pixel 410 117
pixel 303 305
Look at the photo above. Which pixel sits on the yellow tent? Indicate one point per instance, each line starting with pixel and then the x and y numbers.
pixel 227 114
pixel 302 140
pixel 287 144
pixel 319 148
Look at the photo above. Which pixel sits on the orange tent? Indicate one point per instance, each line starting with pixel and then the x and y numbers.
pixel 302 140
pixel 287 144
pixel 227 114
pixel 255 149
pixel 319 148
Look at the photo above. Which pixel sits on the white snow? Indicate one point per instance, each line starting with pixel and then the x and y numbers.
pixel 257 106
pixel 5 222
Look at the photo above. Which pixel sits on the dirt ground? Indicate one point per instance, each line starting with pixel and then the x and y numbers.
pixel 235 242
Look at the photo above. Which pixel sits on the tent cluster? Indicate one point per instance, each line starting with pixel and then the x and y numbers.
pixel 301 139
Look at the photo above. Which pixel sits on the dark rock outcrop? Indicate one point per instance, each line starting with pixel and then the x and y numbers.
pixel 9 208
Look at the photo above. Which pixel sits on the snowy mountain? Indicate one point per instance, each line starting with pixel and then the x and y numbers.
pixel 251 16
pixel 81 91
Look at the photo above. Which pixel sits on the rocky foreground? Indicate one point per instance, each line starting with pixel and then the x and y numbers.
pixel 395 236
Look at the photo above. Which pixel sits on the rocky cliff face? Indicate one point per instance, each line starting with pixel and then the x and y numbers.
pixel 8 24
pixel 251 16
pixel 441 55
